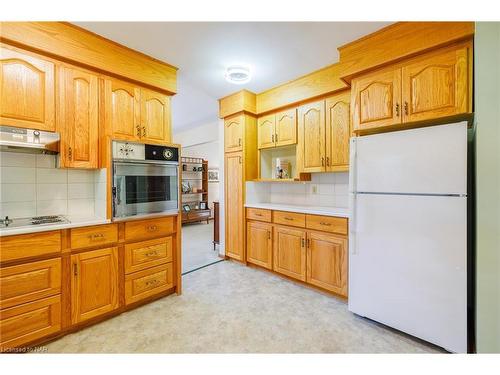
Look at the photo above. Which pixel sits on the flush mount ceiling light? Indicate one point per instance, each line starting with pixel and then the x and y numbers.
pixel 238 75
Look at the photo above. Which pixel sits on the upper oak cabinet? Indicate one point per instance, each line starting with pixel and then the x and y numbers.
pixel 278 129
pixel 424 88
pixel 136 114
pixel 27 96
pixel 78 118
pixel 311 119
pixel 233 133
pixel 338 132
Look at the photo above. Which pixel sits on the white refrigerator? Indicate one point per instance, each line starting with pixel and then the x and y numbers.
pixel 408 232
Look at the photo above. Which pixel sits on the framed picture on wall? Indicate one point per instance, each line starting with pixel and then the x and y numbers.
pixel 213 175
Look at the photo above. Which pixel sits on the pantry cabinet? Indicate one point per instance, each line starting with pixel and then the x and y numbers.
pixel 136 114
pixel 233 193
pixel 290 252
pixel 428 87
pixel 27 90
pixel 233 133
pixel 94 283
pixel 78 118
pixel 260 244
pixel 278 129
pixel 327 261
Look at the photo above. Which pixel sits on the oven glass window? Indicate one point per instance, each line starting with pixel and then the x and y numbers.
pixel 144 189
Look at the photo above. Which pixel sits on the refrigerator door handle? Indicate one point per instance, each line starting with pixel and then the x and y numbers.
pixel 352 166
pixel 352 224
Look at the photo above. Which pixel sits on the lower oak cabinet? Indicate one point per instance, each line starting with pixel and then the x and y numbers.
pixel 260 244
pixel 149 282
pixel 290 252
pixel 327 262
pixel 94 283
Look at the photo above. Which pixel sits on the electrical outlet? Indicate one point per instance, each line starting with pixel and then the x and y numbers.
pixel 314 189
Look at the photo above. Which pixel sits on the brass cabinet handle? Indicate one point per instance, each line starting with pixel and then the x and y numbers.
pixel 322 161
pixel 152 253
pixel 308 242
pixel 152 228
pixel 143 131
pixel 268 234
pixel 397 109
pixel 288 218
pixel 406 108
pixel 96 236
pixel 272 138
pixel 276 137
pixel 70 153
pixel 327 160
pixel 138 130
pixel 152 282
pixel 327 224
pixel 239 141
pixel 303 242
pixel 257 214
pixel 75 269
pixel 239 158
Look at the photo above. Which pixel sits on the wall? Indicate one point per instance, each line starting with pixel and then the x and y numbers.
pixel 487 116
pixel 31 185
pixel 324 189
pixel 202 142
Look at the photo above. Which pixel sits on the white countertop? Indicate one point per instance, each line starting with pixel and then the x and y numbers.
pixel 315 210
pixel 74 221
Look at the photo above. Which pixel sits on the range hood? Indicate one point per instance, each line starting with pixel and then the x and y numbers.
pixel 28 140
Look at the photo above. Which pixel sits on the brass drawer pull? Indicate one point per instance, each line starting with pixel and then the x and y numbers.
pixel 96 236
pixel 289 218
pixel 143 131
pixel 257 214
pixel 152 282
pixel 152 253
pixel 152 228
pixel 327 224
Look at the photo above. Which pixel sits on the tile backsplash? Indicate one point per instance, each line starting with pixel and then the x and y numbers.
pixel 324 189
pixel 31 185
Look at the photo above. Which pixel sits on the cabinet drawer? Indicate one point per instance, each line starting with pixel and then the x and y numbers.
pixel 29 245
pixel 146 229
pixel 259 214
pixel 289 218
pixel 327 223
pixel 146 254
pixel 29 282
pixel 25 323
pixel 94 236
pixel 142 284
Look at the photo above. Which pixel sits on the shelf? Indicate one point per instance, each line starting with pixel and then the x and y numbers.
pixel 192 179
pixel 201 192
pixel 278 180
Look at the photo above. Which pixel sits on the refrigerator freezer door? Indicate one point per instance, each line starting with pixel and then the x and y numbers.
pixel 430 160
pixel 408 270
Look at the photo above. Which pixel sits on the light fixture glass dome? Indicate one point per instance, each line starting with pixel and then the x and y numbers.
pixel 238 75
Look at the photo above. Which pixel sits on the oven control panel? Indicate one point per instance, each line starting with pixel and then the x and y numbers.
pixel 140 151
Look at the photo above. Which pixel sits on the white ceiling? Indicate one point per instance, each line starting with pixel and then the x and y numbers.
pixel 275 52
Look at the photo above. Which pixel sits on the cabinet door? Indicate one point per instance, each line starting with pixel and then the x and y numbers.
pixel 233 133
pixel 327 262
pixel 436 86
pixel 155 116
pixel 376 99
pixel 78 118
pixel 234 206
pixel 290 252
pixel 338 131
pixel 266 131
pixel 286 128
pixel 27 98
pixel 260 244
pixel 122 110
pixel 94 283
pixel 312 137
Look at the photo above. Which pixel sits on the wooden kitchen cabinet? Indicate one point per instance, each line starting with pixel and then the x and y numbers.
pixel 376 99
pixel 327 261
pixel 233 133
pixel 289 252
pixel 278 129
pixel 312 132
pixel 155 117
pixel 27 90
pixel 94 283
pixel 428 87
pixel 260 244
pixel 78 118
pixel 122 110
pixel 266 130
pixel 286 128
pixel 436 85
pixel 234 180
pixel 338 132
